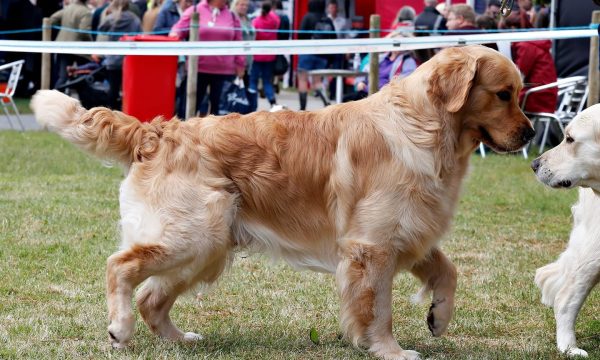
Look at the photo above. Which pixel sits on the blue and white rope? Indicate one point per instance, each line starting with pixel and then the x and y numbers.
pixel 211 48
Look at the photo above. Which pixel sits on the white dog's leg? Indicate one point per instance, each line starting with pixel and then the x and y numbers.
pixel 568 302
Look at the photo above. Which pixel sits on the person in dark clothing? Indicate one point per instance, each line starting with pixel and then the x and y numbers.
pixel 285 21
pixel 19 15
pixel 169 14
pixel 462 21
pixel 118 20
pixel 534 60
pixel 96 17
pixel 315 19
pixel 430 18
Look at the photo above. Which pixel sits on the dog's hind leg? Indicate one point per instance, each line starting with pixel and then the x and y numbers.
pixel 125 270
pixel 364 277
pixel 568 302
pixel 438 274
pixel 158 294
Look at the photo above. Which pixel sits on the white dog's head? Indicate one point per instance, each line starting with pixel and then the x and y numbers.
pixel 576 160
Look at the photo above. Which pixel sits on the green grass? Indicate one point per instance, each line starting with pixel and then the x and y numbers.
pixel 58 224
pixel 22 105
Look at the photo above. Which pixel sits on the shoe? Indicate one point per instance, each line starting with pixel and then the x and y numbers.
pixel 277 107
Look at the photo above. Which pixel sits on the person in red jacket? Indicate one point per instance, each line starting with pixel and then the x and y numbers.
pixel 534 60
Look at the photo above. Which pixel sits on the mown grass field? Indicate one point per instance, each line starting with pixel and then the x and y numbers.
pixel 58 224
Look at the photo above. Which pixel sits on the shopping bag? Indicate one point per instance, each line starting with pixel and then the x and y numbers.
pixel 281 65
pixel 234 98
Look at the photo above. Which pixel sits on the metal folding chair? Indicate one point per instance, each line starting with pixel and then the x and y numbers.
pixel 6 94
pixel 572 94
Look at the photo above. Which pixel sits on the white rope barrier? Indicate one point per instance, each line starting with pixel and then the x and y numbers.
pixel 279 47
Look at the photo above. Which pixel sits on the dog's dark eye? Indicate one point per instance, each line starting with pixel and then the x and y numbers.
pixel 569 139
pixel 503 95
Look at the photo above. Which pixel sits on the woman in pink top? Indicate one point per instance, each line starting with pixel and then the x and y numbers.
pixel 217 23
pixel 263 65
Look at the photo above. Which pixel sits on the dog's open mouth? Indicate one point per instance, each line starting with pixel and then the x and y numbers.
pixel 487 139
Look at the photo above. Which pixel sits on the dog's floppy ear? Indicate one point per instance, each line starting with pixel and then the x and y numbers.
pixel 452 78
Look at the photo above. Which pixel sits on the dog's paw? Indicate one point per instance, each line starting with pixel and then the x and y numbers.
pixel 571 352
pixel 120 332
pixel 191 337
pixel 439 316
pixel 403 355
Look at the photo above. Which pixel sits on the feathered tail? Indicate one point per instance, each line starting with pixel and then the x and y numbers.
pixel 105 133
pixel 550 279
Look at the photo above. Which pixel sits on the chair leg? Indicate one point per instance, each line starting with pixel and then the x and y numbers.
pixel 482 150
pixel 17 114
pixel 7 114
pixel 544 137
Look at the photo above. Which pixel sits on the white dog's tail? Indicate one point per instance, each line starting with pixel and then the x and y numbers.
pixel 550 280
pixel 105 133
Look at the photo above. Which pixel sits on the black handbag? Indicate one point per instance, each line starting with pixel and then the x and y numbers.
pixel 281 65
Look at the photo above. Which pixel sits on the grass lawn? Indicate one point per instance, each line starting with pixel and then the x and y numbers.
pixel 22 105
pixel 58 224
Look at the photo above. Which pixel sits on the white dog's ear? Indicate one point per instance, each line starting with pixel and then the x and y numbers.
pixel 452 78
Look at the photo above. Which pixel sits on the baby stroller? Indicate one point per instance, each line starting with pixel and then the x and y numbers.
pixel 89 82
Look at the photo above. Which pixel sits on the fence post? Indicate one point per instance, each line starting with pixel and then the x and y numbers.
pixel 593 79
pixel 374 32
pixel 46 61
pixel 192 73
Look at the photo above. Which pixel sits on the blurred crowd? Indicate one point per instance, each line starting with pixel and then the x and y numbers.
pixel 222 20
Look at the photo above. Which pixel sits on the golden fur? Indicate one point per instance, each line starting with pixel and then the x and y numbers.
pixel 362 190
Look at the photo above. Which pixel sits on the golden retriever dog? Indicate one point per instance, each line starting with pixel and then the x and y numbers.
pixel 567 282
pixel 362 190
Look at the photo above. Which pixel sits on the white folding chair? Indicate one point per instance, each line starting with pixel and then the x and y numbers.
pixel 6 95
pixel 572 94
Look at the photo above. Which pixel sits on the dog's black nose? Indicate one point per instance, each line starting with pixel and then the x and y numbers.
pixel 535 164
pixel 528 134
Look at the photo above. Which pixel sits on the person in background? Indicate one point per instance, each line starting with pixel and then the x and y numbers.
pixel 263 65
pixel 461 19
pixel 119 19
pixel 97 16
pixel 430 18
pixel 151 15
pixel 240 8
pixel 75 16
pixel 169 14
pixel 486 22
pixel 528 13
pixel 405 19
pixel 283 34
pixel 394 64
pixel 493 8
pixel 284 23
pixel 534 60
pixel 217 23
pixel 340 23
pixel 314 20
pixel 139 8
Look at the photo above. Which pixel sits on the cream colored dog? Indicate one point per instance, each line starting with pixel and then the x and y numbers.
pixel 566 283
pixel 362 190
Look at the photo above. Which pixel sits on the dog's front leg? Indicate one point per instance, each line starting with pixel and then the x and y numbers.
pixel 438 274
pixel 364 277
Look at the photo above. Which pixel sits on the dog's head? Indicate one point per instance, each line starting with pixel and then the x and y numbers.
pixel 482 87
pixel 576 160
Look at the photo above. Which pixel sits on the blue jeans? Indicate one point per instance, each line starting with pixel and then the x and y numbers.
pixel 264 71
